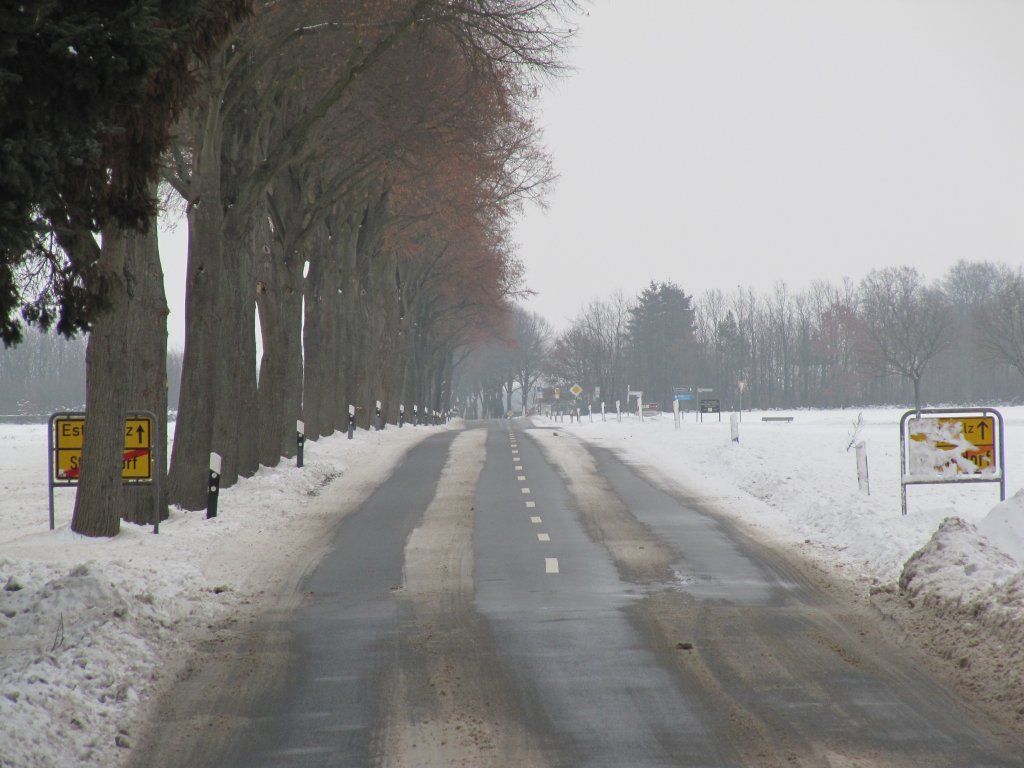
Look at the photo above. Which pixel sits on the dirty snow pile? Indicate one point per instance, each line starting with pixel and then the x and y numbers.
pixel 89 628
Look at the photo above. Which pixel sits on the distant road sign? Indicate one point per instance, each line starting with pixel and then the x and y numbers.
pixel 576 390
pixel 68 434
pixel 710 406
pixel 683 397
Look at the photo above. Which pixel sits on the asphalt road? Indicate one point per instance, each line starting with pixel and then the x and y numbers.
pixel 511 598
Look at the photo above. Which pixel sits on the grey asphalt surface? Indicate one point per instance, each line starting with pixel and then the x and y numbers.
pixel 585 660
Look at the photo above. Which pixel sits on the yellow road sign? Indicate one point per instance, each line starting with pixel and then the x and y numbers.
pixel 576 390
pixel 952 444
pixel 69 434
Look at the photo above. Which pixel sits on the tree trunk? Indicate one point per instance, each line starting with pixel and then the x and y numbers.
pixel 234 385
pixel 193 433
pixel 279 300
pixel 147 378
pixel 100 497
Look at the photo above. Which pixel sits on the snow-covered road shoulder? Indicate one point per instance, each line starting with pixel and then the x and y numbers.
pixel 90 629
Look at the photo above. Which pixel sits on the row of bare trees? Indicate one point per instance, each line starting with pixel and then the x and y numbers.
pixel 498 377
pixel 349 170
pixel 892 338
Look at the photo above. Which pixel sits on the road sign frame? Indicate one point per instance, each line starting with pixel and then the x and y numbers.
pixel 997 474
pixel 54 448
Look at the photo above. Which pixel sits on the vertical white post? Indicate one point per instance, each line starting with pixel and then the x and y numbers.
pixel 734 427
pixel 863 481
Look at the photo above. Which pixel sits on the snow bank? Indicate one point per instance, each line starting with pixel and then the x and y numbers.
pixel 1004 526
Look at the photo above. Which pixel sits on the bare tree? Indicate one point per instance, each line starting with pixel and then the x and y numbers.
pixel 531 334
pixel 908 322
pixel 1001 318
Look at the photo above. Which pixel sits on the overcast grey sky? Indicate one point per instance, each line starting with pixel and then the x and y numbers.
pixel 718 143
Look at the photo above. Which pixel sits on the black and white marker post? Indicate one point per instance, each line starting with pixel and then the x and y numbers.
pixel 401 415
pixel 214 486
pixel 376 418
pixel 351 421
pixel 300 441
pixel 415 415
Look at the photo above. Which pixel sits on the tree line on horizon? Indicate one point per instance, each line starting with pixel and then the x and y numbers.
pixel 894 338
pixel 349 171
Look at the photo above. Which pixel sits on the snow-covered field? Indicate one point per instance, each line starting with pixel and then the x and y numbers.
pixel 87 626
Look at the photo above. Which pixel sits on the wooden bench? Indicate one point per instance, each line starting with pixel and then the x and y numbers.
pixel 786 419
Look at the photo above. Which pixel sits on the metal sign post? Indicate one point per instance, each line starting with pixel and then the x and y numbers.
pixel 639 400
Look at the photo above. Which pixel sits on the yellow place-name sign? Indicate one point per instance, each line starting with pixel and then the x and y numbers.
pixel 959 444
pixel 68 437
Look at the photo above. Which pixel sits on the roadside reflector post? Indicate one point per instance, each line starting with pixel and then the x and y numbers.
pixel 603 416
pixel 351 421
pixel 590 412
pixel 401 415
pixel 618 410
pixel 675 412
pixel 214 486
pixel 415 415
pixel 300 441
pixel 734 427
pixel 376 418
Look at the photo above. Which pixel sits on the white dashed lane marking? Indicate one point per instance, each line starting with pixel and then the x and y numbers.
pixel 550 565
pixel 525 490
pixel 543 537
pixel 520 477
pixel 519 467
pixel 531 504
pixel 536 520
